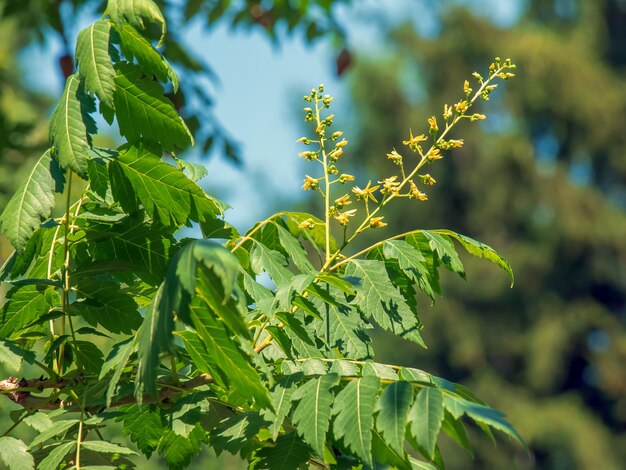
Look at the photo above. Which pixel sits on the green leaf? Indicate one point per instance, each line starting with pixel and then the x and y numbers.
pixel 154 336
pixel 58 428
pixel 88 356
pixel 455 429
pixel 264 259
pixel 224 352
pixel 225 307
pixel 39 421
pixel 23 306
pixel 337 282
pixel 281 398
pixel 178 450
pixel 144 113
pixel 139 176
pixel 383 453
pixel 393 408
pixel 377 296
pixel 446 252
pixel 11 355
pixel 297 254
pixel 354 409
pixel 133 244
pixel 297 285
pixel 186 413
pixel 98 176
pixel 347 333
pixel 108 305
pixel 317 235
pixel 116 361
pixel 411 261
pixel 288 453
pixel 421 243
pixel 138 13
pixel 32 202
pixel 426 417
pixel 311 416
pixel 199 356
pixel 71 126
pixel 56 456
pixel 136 47
pixel 482 415
pixel 14 454
pixel 104 447
pixel 144 427
pixel 480 250
pixel 95 56
pixel 235 434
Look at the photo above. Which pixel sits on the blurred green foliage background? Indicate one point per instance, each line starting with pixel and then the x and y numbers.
pixel 542 180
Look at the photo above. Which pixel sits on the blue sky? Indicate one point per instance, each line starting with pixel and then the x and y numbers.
pixel 260 86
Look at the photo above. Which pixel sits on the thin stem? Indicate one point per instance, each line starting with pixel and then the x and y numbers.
pixel 79 441
pixel 174 370
pixel 260 225
pixel 326 184
pixel 368 249
pixel 66 263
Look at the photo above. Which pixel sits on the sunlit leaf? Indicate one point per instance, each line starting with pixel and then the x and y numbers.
pixel 32 202
pixel 71 126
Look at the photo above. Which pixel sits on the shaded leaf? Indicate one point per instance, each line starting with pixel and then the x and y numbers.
pixel 143 426
pixel 225 354
pixel 281 398
pixel 426 417
pixel 377 296
pixel 106 304
pixel 58 428
pixel 288 453
pixel 23 306
pixel 411 261
pixel 178 450
pixel 136 47
pixel 446 252
pixel 11 355
pixel 138 13
pixel 311 416
pixel 393 409
pixel 354 410
pixel 56 456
